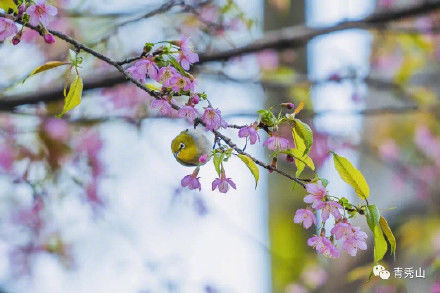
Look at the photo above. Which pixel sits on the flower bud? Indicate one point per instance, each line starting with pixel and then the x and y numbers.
pixel 274 164
pixel 194 99
pixel 49 38
pixel 21 10
pixel 16 40
pixel 289 106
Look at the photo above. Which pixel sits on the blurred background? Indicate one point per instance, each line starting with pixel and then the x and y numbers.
pixel 93 203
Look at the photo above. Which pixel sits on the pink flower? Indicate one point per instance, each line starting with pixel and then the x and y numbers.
pixel 41 12
pixel 316 192
pixel 306 217
pixel 355 242
pixel 188 112
pixel 203 159
pixel 323 246
pixel 187 56
pixel 223 183
pixel 329 208
pixel 49 38
pixel 180 82
pixel 213 119
pixel 7 28
pixel 341 230
pixel 277 143
pixel 163 106
pixel 57 129
pixel 142 68
pixel 194 99
pixel 352 237
pixel 165 75
pixel 251 132
pixel 191 181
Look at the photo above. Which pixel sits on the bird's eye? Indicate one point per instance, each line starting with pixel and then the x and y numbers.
pixel 181 145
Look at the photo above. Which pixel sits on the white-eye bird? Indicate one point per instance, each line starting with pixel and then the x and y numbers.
pixel 189 146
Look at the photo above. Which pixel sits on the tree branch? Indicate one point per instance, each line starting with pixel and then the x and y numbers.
pixel 154 94
pixel 292 37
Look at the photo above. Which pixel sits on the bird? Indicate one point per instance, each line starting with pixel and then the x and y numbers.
pixel 189 145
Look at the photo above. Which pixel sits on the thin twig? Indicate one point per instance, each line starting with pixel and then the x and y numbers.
pixel 156 95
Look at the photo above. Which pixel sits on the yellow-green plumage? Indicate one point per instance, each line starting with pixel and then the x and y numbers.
pixel 189 146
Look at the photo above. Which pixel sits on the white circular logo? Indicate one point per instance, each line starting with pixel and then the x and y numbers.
pixel 381 272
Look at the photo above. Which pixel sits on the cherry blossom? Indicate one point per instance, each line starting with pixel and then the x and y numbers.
pixel 277 143
pixel 41 12
pixel 188 112
pixel 251 132
pixel 213 119
pixel 223 183
pixel 165 75
pixel 329 208
pixel 316 193
pixel 7 28
pixel 306 217
pixel 191 181
pixel 163 106
pixel 323 246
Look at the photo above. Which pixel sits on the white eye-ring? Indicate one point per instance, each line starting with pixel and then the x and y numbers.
pixel 181 145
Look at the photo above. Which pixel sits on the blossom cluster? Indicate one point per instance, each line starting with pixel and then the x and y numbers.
pixel 351 237
pixel 168 66
pixel 38 14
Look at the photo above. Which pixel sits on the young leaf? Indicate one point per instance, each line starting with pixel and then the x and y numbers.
pixel 73 97
pixel 301 161
pixel 45 67
pixel 373 216
pixel 380 244
pixel 351 175
pixel 305 132
pixel 252 167
pixel 388 233
pixel 8 4
pixel 217 160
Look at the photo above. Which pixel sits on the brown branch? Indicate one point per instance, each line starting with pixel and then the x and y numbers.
pixel 154 94
pixel 287 38
pixel 298 36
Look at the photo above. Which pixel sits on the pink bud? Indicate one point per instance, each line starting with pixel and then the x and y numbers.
pixel 48 38
pixel 15 40
pixel 194 99
pixel 21 10
pixel 203 158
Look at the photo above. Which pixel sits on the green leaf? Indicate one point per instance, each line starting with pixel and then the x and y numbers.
pixel 373 216
pixel 73 97
pixel 301 161
pixel 351 175
pixel 218 159
pixel 45 67
pixel 380 244
pixel 177 65
pixel 305 133
pixel 8 4
pixel 252 167
pixel 389 234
